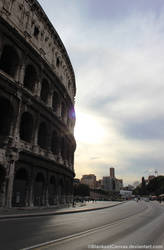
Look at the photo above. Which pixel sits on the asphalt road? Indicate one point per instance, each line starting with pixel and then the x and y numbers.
pixel 130 225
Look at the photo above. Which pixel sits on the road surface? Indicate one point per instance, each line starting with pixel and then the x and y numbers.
pixel 130 225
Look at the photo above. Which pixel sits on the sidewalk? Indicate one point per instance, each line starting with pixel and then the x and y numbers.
pixel 33 212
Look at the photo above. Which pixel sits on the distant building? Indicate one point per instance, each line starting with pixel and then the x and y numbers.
pixel 108 183
pixel 89 180
pixel 128 188
pixel 111 183
pixel 126 194
pixel 99 184
pixel 112 173
pixel 120 181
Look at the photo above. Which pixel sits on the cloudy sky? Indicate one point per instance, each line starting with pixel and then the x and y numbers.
pixel 117 51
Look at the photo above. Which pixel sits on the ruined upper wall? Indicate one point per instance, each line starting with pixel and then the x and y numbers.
pixel 29 19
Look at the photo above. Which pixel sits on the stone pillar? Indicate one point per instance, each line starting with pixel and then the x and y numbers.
pixel 38 84
pixel 50 98
pixel 21 74
pixel 30 189
pixel 37 89
pixel 16 124
pixel 59 110
pixel 59 194
pixel 35 133
pixel 2 193
pixel 11 172
pixel 46 191
pixel 30 201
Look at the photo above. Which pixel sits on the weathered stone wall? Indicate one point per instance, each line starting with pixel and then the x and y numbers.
pixel 29 19
pixel 37 89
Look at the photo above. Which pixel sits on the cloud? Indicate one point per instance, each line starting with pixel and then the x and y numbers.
pixel 145 130
pixel 117 51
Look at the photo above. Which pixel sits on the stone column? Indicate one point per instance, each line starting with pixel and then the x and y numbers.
pixel 2 193
pixel 16 125
pixel 35 133
pixel 11 172
pixel 38 84
pixel 46 191
pixel 59 110
pixel 50 98
pixel 20 77
pixel 37 89
pixel 30 189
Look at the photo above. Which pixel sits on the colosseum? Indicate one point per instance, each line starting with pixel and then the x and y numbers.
pixel 37 118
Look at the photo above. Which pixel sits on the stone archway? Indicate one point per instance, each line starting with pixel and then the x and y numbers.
pixel 52 191
pixel 6 114
pixel 39 188
pixel 42 135
pixel 30 77
pixel 9 61
pixel 26 127
pixel 20 184
pixel 55 102
pixel 61 191
pixel 44 91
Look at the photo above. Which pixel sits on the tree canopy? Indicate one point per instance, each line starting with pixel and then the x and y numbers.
pixel 81 190
pixel 154 187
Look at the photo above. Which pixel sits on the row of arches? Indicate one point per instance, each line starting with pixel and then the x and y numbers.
pixel 10 64
pixel 30 133
pixel 39 189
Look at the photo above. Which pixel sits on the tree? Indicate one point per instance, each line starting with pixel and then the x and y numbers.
pixel 81 190
pixel 143 187
pixel 156 186
pixel 137 191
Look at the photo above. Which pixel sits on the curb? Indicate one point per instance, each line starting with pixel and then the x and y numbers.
pixel 16 216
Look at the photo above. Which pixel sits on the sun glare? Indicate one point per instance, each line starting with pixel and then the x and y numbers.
pixel 88 129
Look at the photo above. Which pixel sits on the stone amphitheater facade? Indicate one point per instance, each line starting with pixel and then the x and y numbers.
pixel 37 118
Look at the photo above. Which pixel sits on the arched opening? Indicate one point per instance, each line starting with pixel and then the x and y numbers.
pixel 57 62
pixel 42 135
pixel 44 91
pixel 26 127
pixel 63 149
pixel 39 190
pixel 55 101
pixel 52 191
pixel 64 112
pixel 67 187
pixel 20 188
pixel 9 61
pixel 55 143
pixel 30 78
pixel 60 191
pixel 6 114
